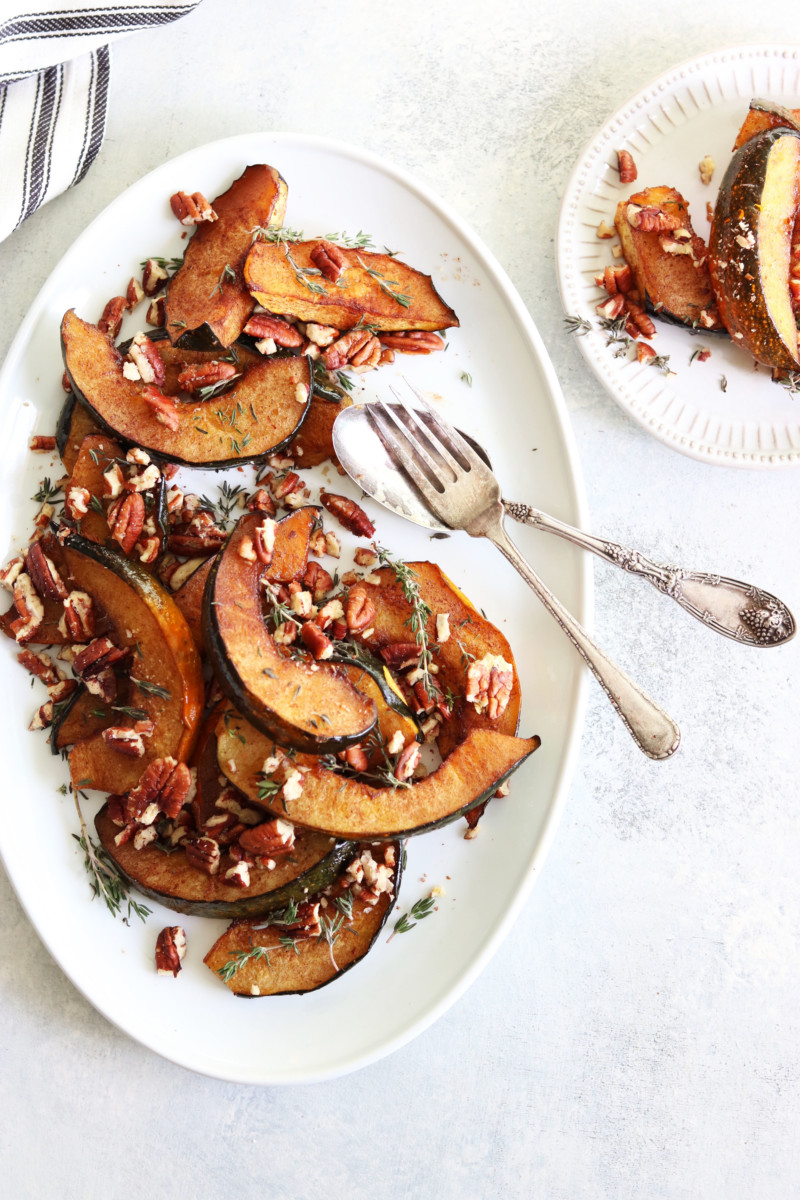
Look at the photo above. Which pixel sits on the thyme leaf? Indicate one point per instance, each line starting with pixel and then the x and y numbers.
pixel 386 285
pixel 104 878
pixel 419 911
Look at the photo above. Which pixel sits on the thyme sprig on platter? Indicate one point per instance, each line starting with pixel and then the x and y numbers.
pixel 48 492
pixel 277 234
pixel 361 241
pixel 104 877
pixel 284 916
pixel 386 285
pixel 421 612
pixel 228 499
pixel 303 275
pixel 418 912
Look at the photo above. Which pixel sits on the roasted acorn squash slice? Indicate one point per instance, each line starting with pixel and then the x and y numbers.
pixel 346 807
pixel 259 414
pixel 277 276
pixel 311 962
pixel 670 270
pixel 309 706
pixel 750 246
pixel 74 424
pixel 202 291
pixel 146 620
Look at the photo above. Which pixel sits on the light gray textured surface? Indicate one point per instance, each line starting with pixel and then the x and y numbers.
pixel 637 1034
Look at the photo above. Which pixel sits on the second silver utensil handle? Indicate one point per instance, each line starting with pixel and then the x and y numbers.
pixel 653 731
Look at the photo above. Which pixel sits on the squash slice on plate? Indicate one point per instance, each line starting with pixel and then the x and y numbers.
pixel 750 247
pixel 207 290
pixel 373 289
pixel 165 675
pixel 306 705
pixel 256 416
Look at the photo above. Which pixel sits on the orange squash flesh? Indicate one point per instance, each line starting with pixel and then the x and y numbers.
pixel 314 443
pixel 201 291
pixel 349 808
pixel 310 706
pixel 309 966
pixel 189 599
pixel 74 424
pixel 258 415
pixel 145 619
pixel 95 456
pixel 356 296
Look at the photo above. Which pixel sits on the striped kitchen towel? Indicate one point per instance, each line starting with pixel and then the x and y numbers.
pixel 55 65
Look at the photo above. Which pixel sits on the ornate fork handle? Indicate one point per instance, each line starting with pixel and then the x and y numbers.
pixel 738 610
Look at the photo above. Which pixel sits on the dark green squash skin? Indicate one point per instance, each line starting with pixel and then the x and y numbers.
pixel 316 879
pixel 159 456
pixel 64 422
pixel 740 291
pixel 400 855
pixel 251 707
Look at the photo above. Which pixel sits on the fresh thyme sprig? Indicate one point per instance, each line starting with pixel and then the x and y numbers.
pixel 226 275
pixel 223 507
pixel 420 614
pixel 330 928
pixel 285 916
pixel 419 911
pixel 168 264
pixel 386 285
pixel 215 389
pixel 151 689
pixel 227 971
pixel 47 492
pixel 277 234
pixel 577 325
pixel 303 275
pixel 791 381
pixel 104 877
pixel 361 241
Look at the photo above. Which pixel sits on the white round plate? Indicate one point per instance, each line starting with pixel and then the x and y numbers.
pixel 515 408
pixel 694 110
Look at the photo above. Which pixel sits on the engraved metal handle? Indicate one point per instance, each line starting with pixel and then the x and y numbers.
pixel 653 731
pixel 735 609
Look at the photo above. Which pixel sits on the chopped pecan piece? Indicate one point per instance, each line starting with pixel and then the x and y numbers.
pixel 79 617
pixel 350 514
pixel 201 375
pixel 239 875
pixel 307 918
pixel 281 332
pixel 203 853
pixel 264 540
pixel 43 443
pixel 321 335
pixel 399 655
pixel 360 611
pixel 157 312
pixel 317 580
pixel 28 606
pixel 11 571
pixel 134 294
pixel 489 683
pixel 124 740
pixel 170 950
pixel 111 320
pixel 44 574
pixel 126 518
pixel 269 839
pixel 153 277
pixel 412 341
pixel 165 408
pixel 261 501
pixel 100 655
pixel 651 219
pixel 357 347
pixel 316 641
pixel 365 557
pixel 644 352
pixel 147 357
pixel 626 166
pixel 199 536
pixel 40 666
pixel 42 717
pixel 165 783
pixel 191 209
pixel 77 502
pixel 355 757
pixel 328 259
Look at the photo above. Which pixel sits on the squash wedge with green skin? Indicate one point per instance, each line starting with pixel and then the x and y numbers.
pixel 189 599
pixel 762 118
pixel 145 619
pixel 308 964
pixel 750 247
pixel 208 289
pixel 74 424
pixel 278 274
pixel 347 807
pixel 314 863
pixel 306 705
pixel 79 716
pixel 259 414
pixel 673 284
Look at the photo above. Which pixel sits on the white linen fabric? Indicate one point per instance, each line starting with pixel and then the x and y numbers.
pixel 55 67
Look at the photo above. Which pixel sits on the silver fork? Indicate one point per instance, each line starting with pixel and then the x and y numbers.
pixel 464 493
